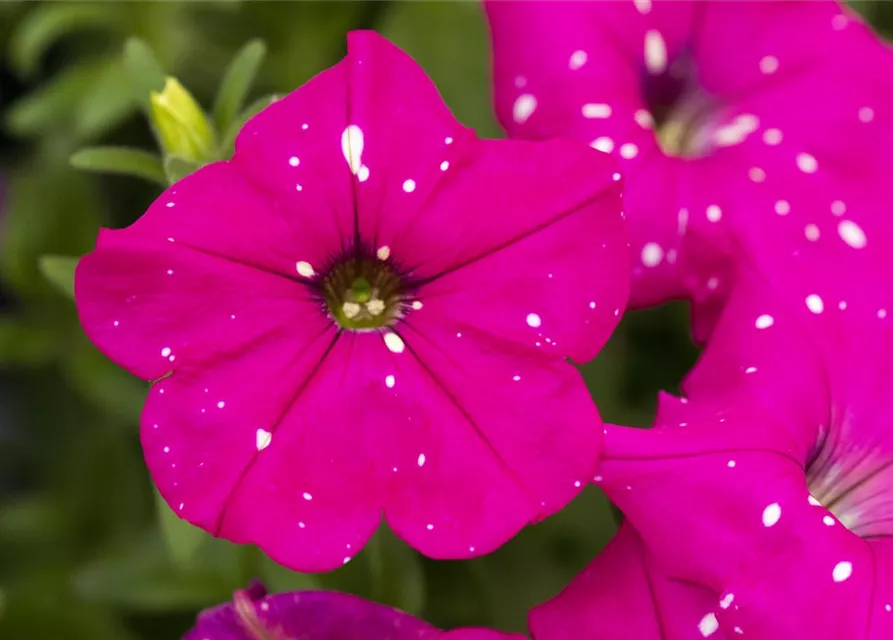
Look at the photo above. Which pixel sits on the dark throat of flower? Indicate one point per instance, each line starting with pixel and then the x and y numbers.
pixel 364 293
pixel 852 481
pixel 684 114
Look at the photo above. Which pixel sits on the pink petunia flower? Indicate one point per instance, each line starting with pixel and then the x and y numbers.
pixel 366 310
pixel 720 113
pixel 761 505
pixel 772 483
pixel 318 615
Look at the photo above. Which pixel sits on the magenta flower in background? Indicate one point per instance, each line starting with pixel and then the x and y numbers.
pixel 720 113
pixel 366 310
pixel 761 504
pixel 771 484
pixel 318 615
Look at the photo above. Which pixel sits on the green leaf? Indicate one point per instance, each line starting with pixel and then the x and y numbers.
pixel 175 168
pixel 105 104
pixel 139 576
pixel 237 82
pixel 49 108
pixel 396 571
pixel 123 160
pixel 59 270
pixel 144 71
pixel 98 380
pixel 279 579
pixel 182 539
pixel 23 342
pixel 229 137
pixel 44 25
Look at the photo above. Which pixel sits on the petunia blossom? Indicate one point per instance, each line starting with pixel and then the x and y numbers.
pixel 367 309
pixel 720 114
pixel 770 484
pixel 318 615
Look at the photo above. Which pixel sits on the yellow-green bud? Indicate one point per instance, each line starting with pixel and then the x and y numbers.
pixel 183 129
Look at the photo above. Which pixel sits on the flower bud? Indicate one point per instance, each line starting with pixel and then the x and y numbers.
pixel 182 128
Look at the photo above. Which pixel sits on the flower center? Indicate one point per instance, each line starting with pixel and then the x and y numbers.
pixel 685 117
pixel 363 294
pixel 853 483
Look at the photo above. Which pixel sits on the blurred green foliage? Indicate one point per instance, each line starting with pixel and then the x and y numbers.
pixel 87 550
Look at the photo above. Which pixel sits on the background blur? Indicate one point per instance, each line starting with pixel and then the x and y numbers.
pixel 86 551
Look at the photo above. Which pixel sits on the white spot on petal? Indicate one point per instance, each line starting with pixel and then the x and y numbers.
pixel 714 213
pixel 807 163
pixel 708 625
pixel 771 515
pixel 655 52
pixel 534 320
pixel 772 137
pixel 842 571
pixel 652 254
pixel 764 321
pixel 352 147
pixel 524 106
pixel 782 207
pixel 756 174
pixel 643 6
pixel 866 114
pixel 393 342
pixel 596 110
pixel 578 59
pixel 814 303
pixel 307 496
pixel 294 161
pixel 165 352
pixel 383 253
pixel 727 600
pixel 390 381
pixel 629 151
pixel 603 144
pixel 643 118
pixel 263 439
pixel 444 165
pixel 769 64
pixel 409 186
pixel 363 174
pixel 851 233
pixel 305 269
pixel 421 460
pixel 811 232
pixel 221 404
pixel 828 520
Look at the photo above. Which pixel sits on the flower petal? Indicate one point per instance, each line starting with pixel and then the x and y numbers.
pixel 406 138
pixel 141 300
pixel 533 412
pixel 621 594
pixel 294 151
pixel 525 255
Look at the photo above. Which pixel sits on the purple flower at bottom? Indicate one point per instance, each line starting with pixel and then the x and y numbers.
pixel 318 615
pixel 721 114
